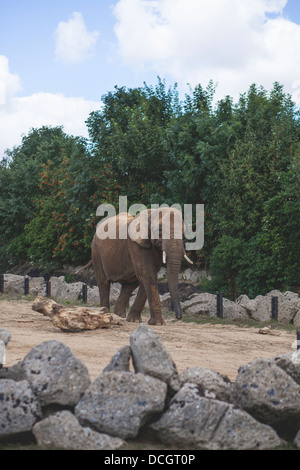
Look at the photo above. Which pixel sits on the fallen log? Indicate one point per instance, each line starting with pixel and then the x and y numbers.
pixel 82 318
pixel 47 307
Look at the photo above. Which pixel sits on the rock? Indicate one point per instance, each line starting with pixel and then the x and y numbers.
pixel 2 354
pixel 165 302
pixel 202 304
pixel 115 290
pixel 119 403
pixel 46 306
pixel 63 431
pixel 297 440
pixel 288 305
pixel 162 273
pixel 120 361
pixel 190 275
pixel 206 304
pixel 265 331
pixel 296 320
pixel 83 318
pixel 290 363
pixel 4 339
pixel 267 392
pixel 94 298
pixel 233 311
pixel 12 372
pixel 202 423
pixel 14 283
pixel 37 286
pixel 240 431
pixel 260 308
pixel 60 289
pixel 243 300
pixel 194 276
pixel 212 384
pixel 93 295
pixel 5 335
pixel 19 408
pixel 292 300
pixel 54 374
pixel 150 357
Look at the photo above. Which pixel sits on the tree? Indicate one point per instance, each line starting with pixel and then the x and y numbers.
pixel 19 185
pixel 257 185
pixel 129 134
pixel 65 221
pixel 240 160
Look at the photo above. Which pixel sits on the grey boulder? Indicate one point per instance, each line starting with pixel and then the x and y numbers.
pixel 211 383
pixel 150 357
pixel 54 374
pixel 290 363
pixel 63 431
pixel 5 335
pixel 119 403
pixel 19 408
pixel 203 423
pixel 4 339
pixel 120 361
pixel 267 392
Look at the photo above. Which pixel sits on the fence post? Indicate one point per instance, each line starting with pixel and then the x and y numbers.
pixel 219 305
pixel 274 308
pixel 84 293
pixel 298 339
pixel 26 285
pixel 48 289
pixel 1 283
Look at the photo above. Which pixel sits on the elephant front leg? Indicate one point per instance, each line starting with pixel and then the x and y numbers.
pixel 122 302
pixel 154 305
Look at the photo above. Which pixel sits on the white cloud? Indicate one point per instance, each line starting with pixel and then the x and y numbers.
pixel 10 83
pixel 74 42
pixel 232 42
pixel 19 114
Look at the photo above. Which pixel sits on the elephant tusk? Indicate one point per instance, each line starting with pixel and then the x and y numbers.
pixel 164 257
pixel 188 259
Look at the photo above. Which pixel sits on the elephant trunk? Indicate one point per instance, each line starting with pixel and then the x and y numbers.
pixel 174 254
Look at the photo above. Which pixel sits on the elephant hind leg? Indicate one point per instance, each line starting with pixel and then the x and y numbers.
pixel 135 312
pixel 122 302
pixel 102 283
pixel 104 290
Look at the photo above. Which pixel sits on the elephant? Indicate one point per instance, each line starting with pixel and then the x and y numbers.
pixel 134 260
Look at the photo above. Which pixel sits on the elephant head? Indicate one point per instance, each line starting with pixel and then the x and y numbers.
pixel 162 230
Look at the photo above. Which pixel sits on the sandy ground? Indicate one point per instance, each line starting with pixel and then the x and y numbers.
pixel 223 348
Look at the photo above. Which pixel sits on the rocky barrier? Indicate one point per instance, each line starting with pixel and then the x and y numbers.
pixel 49 394
pixel 259 309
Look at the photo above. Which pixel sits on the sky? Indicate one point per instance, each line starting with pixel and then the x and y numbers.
pixel 59 57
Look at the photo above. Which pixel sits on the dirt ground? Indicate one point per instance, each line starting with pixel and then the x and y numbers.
pixel 223 348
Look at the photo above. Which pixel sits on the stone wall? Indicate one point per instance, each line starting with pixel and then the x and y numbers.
pixel 197 303
pixel 49 394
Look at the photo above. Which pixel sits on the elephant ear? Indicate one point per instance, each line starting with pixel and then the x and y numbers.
pixel 139 229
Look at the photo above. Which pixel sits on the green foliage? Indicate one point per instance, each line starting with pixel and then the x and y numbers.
pixel 241 160
pixel 129 133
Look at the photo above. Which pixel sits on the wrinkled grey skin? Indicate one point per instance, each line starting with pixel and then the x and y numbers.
pixel 135 262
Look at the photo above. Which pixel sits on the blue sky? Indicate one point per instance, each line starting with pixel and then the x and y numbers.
pixel 57 58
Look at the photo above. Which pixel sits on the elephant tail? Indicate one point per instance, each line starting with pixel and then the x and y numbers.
pixel 84 267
